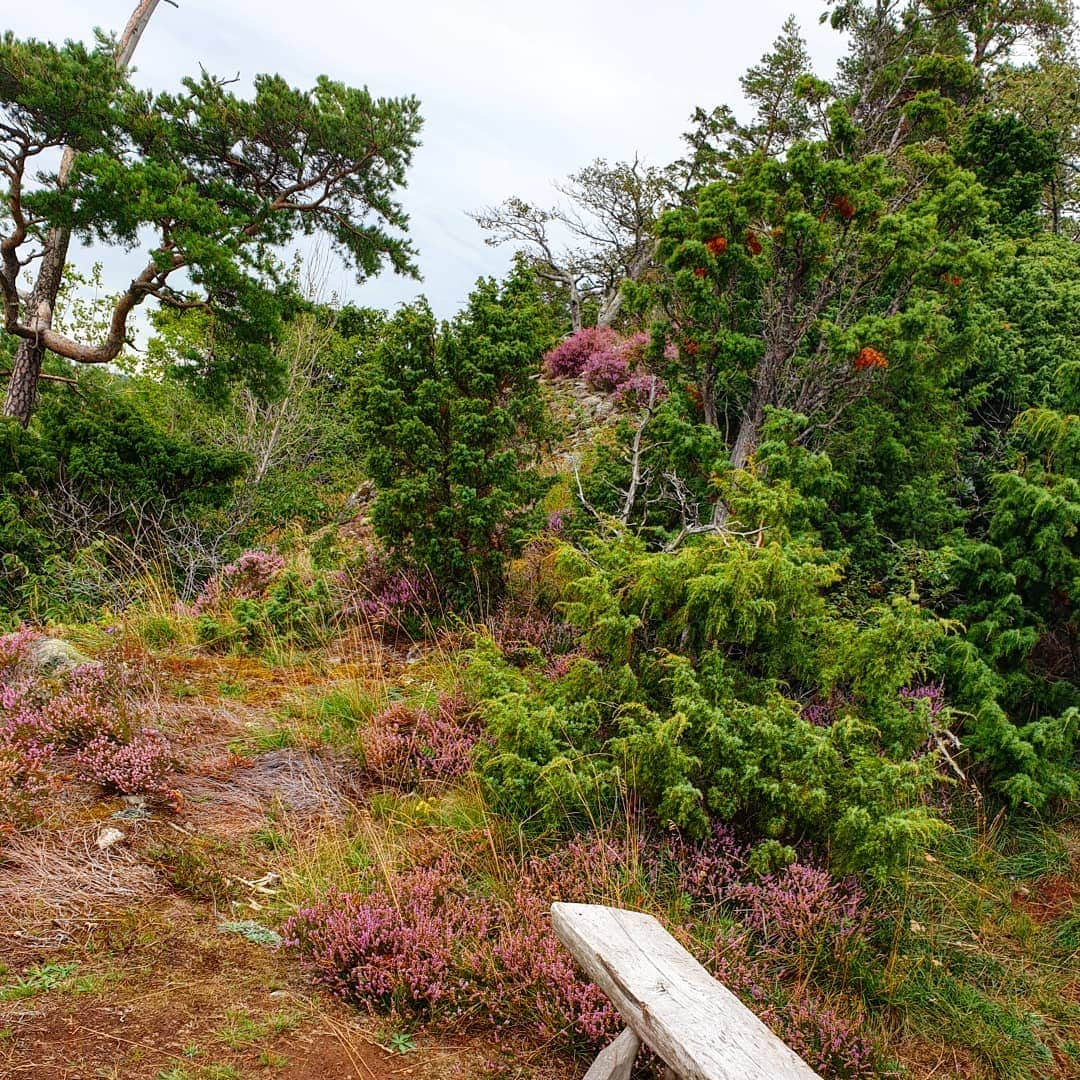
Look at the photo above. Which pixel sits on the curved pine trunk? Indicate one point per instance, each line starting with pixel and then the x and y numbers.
pixel 26 371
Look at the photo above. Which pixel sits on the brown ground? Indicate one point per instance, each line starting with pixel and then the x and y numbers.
pixel 157 991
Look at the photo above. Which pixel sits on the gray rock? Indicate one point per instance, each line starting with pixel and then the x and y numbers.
pixel 52 655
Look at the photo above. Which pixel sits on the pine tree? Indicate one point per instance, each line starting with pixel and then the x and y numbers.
pixel 217 179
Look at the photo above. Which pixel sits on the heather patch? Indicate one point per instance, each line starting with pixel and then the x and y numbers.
pixel 249 577
pixel 404 745
pixel 444 943
pixel 434 944
pixel 608 363
pixel 90 710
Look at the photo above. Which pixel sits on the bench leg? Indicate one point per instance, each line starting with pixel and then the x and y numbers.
pixel 616 1060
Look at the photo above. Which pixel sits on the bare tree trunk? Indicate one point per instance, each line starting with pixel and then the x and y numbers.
pixel 708 401
pixel 26 370
pixel 612 305
pixel 746 442
pixel 610 309
pixel 575 306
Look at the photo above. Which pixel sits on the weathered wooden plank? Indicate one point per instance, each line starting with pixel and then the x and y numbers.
pixel 695 1025
pixel 616 1060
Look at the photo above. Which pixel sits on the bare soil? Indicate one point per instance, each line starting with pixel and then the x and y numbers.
pixel 155 990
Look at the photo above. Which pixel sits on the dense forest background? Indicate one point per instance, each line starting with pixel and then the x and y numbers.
pixel 739 519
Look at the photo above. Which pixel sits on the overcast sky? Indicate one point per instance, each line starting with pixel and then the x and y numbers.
pixel 513 95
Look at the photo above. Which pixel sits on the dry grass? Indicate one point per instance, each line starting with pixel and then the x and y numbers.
pixel 289 784
pixel 56 879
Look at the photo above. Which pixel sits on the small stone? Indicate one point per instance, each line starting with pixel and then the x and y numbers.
pixel 53 655
pixel 109 836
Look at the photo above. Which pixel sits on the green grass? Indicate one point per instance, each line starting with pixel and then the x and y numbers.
pixel 45 978
pixel 240 1030
pixel 968 965
pixel 243 1029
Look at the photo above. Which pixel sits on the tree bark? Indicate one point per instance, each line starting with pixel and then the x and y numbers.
pixel 612 305
pixel 746 439
pixel 26 370
pixel 746 442
pixel 575 305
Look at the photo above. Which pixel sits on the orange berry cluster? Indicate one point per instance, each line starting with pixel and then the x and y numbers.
pixel 844 207
pixel 870 358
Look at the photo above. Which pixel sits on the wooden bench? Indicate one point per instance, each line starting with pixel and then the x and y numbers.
pixel 696 1026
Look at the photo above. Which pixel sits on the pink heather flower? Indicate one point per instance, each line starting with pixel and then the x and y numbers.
pixel 606 371
pixel 139 766
pixel 932 693
pixel 640 387
pixel 379 592
pixel 823 712
pixel 92 702
pixel 568 358
pixel 802 910
pixel 90 707
pixel 707 870
pixel 556 522
pixel 828 1041
pixel 516 629
pixel 561 666
pixel 14 648
pixel 607 362
pixel 248 578
pixel 404 745
pixel 433 944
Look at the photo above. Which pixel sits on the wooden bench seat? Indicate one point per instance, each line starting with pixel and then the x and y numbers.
pixel 695 1025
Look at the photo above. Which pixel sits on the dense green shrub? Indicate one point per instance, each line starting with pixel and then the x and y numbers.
pixel 451 416
pixel 98 489
pixel 722 682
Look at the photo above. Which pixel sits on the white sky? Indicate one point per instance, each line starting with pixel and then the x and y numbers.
pixel 513 95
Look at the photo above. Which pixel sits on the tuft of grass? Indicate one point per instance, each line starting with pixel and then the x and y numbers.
pixel 45 978
pixel 227 688
pixel 240 1030
pixel 243 1029
pixel 277 738
pixel 160 631
pixel 193 869
pixel 218 1072
pixel 335 717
